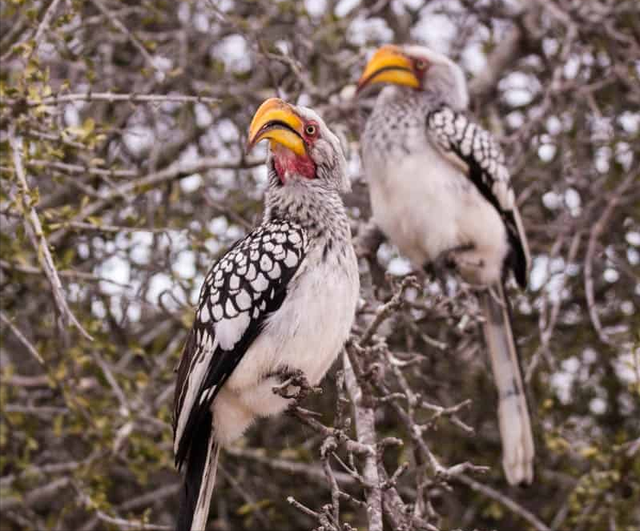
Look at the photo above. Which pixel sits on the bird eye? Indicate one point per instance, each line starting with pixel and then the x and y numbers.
pixel 310 129
pixel 421 64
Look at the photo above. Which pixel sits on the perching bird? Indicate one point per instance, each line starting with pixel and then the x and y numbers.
pixel 278 304
pixel 440 191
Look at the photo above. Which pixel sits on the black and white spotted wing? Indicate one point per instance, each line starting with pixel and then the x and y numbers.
pixel 246 285
pixel 457 136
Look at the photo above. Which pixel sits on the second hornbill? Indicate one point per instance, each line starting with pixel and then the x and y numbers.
pixel 441 193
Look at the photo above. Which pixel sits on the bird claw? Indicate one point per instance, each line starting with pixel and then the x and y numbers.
pixel 453 259
pixel 295 378
pixel 448 260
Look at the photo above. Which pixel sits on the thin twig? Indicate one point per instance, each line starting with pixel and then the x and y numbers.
pixel 66 273
pixel 177 170
pixel 309 472
pixel 510 504
pixel 38 495
pixel 137 525
pixel 52 468
pixel 113 383
pixel 598 228
pixel 384 311
pixel 78 169
pixel 37 237
pixel 42 27
pixel 30 348
pixel 113 97
pixel 134 40
pixel 121 523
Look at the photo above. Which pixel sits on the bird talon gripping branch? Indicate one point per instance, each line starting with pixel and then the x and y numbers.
pixel 295 386
pixel 266 309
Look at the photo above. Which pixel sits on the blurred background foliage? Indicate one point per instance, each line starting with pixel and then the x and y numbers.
pixel 122 169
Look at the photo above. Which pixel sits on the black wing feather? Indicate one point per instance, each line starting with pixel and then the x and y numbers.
pixel 455 133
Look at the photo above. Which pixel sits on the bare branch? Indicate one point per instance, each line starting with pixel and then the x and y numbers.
pixel 134 40
pixel 177 170
pixel 364 416
pixel 598 228
pixel 34 228
pixel 112 97
pixel 386 310
pixel 39 33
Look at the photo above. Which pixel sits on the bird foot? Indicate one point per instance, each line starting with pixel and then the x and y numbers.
pixel 294 386
pixel 449 260
pixel 453 258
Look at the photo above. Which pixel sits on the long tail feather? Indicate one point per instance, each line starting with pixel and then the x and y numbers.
pixel 513 412
pixel 200 477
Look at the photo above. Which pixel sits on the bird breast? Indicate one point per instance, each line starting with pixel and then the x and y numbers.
pixel 415 198
pixel 307 332
pixel 426 206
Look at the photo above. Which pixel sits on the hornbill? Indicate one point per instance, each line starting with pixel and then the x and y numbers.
pixel 441 192
pixel 279 304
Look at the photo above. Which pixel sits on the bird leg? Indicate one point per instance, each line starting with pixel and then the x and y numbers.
pixel 295 379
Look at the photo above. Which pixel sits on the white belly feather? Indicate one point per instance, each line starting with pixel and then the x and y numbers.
pixel 307 333
pixel 426 206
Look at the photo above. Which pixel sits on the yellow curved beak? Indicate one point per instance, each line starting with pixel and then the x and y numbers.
pixel 389 65
pixel 277 121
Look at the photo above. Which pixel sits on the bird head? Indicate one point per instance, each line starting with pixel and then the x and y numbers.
pixel 419 68
pixel 302 147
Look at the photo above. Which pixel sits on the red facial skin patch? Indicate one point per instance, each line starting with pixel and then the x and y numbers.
pixel 286 162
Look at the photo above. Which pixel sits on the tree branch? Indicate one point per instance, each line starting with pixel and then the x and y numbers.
pixel 598 228
pixel 510 504
pixel 364 416
pixel 16 331
pixel 37 237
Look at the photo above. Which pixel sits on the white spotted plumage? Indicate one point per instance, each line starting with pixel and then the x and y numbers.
pixel 457 136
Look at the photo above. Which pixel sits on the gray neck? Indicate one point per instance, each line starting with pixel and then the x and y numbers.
pixel 398 122
pixel 311 203
pixel 408 98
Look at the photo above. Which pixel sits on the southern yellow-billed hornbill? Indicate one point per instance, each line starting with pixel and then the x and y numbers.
pixel 279 303
pixel 440 191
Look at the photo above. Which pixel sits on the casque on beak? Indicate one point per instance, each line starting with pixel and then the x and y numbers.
pixel 389 65
pixel 277 121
